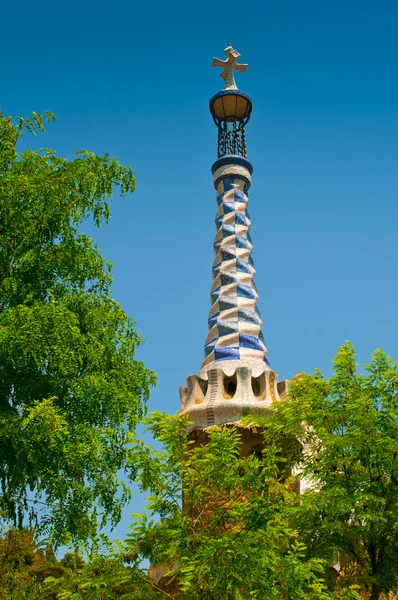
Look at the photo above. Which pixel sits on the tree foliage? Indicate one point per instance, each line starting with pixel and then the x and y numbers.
pixel 24 565
pixel 70 387
pixel 348 427
pixel 233 539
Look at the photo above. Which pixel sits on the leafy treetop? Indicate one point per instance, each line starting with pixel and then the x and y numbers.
pixel 348 428
pixel 70 387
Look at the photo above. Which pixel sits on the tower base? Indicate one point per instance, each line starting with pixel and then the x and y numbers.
pixel 227 396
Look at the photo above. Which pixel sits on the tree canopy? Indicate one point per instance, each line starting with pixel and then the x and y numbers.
pixel 348 429
pixel 70 387
pixel 233 539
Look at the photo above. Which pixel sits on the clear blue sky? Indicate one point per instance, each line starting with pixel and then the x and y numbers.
pixel 134 79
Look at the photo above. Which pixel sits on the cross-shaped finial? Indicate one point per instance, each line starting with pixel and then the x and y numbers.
pixel 229 66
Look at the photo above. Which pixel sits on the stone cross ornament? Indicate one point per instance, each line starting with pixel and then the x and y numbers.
pixel 229 66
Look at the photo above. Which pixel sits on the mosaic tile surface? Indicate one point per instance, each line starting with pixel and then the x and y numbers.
pixel 234 321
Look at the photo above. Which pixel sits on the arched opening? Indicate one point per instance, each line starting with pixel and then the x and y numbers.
pixel 231 388
pixel 259 387
pixel 230 385
pixel 255 386
pixel 203 383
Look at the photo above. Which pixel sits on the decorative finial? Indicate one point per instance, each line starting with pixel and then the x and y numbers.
pixel 229 66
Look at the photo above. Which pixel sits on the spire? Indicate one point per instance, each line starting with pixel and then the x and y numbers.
pixel 234 321
pixel 235 378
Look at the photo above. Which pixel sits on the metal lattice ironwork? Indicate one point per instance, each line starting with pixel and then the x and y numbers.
pixel 231 139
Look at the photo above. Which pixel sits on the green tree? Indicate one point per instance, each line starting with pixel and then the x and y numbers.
pixel 24 565
pixel 70 387
pixel 104 577
pixel 231 541
pixel 348 428
pixel 73 561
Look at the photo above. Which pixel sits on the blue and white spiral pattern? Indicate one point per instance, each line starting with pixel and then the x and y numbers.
pixel 234 320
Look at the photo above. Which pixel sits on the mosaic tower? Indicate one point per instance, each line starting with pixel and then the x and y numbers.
pixel 235 378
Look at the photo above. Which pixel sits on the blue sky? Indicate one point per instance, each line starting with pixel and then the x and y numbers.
pixel 134 79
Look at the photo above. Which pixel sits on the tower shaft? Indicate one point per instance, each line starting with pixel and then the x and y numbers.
pixel 234 320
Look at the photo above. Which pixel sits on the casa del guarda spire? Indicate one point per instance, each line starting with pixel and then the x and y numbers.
pixel 235 378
